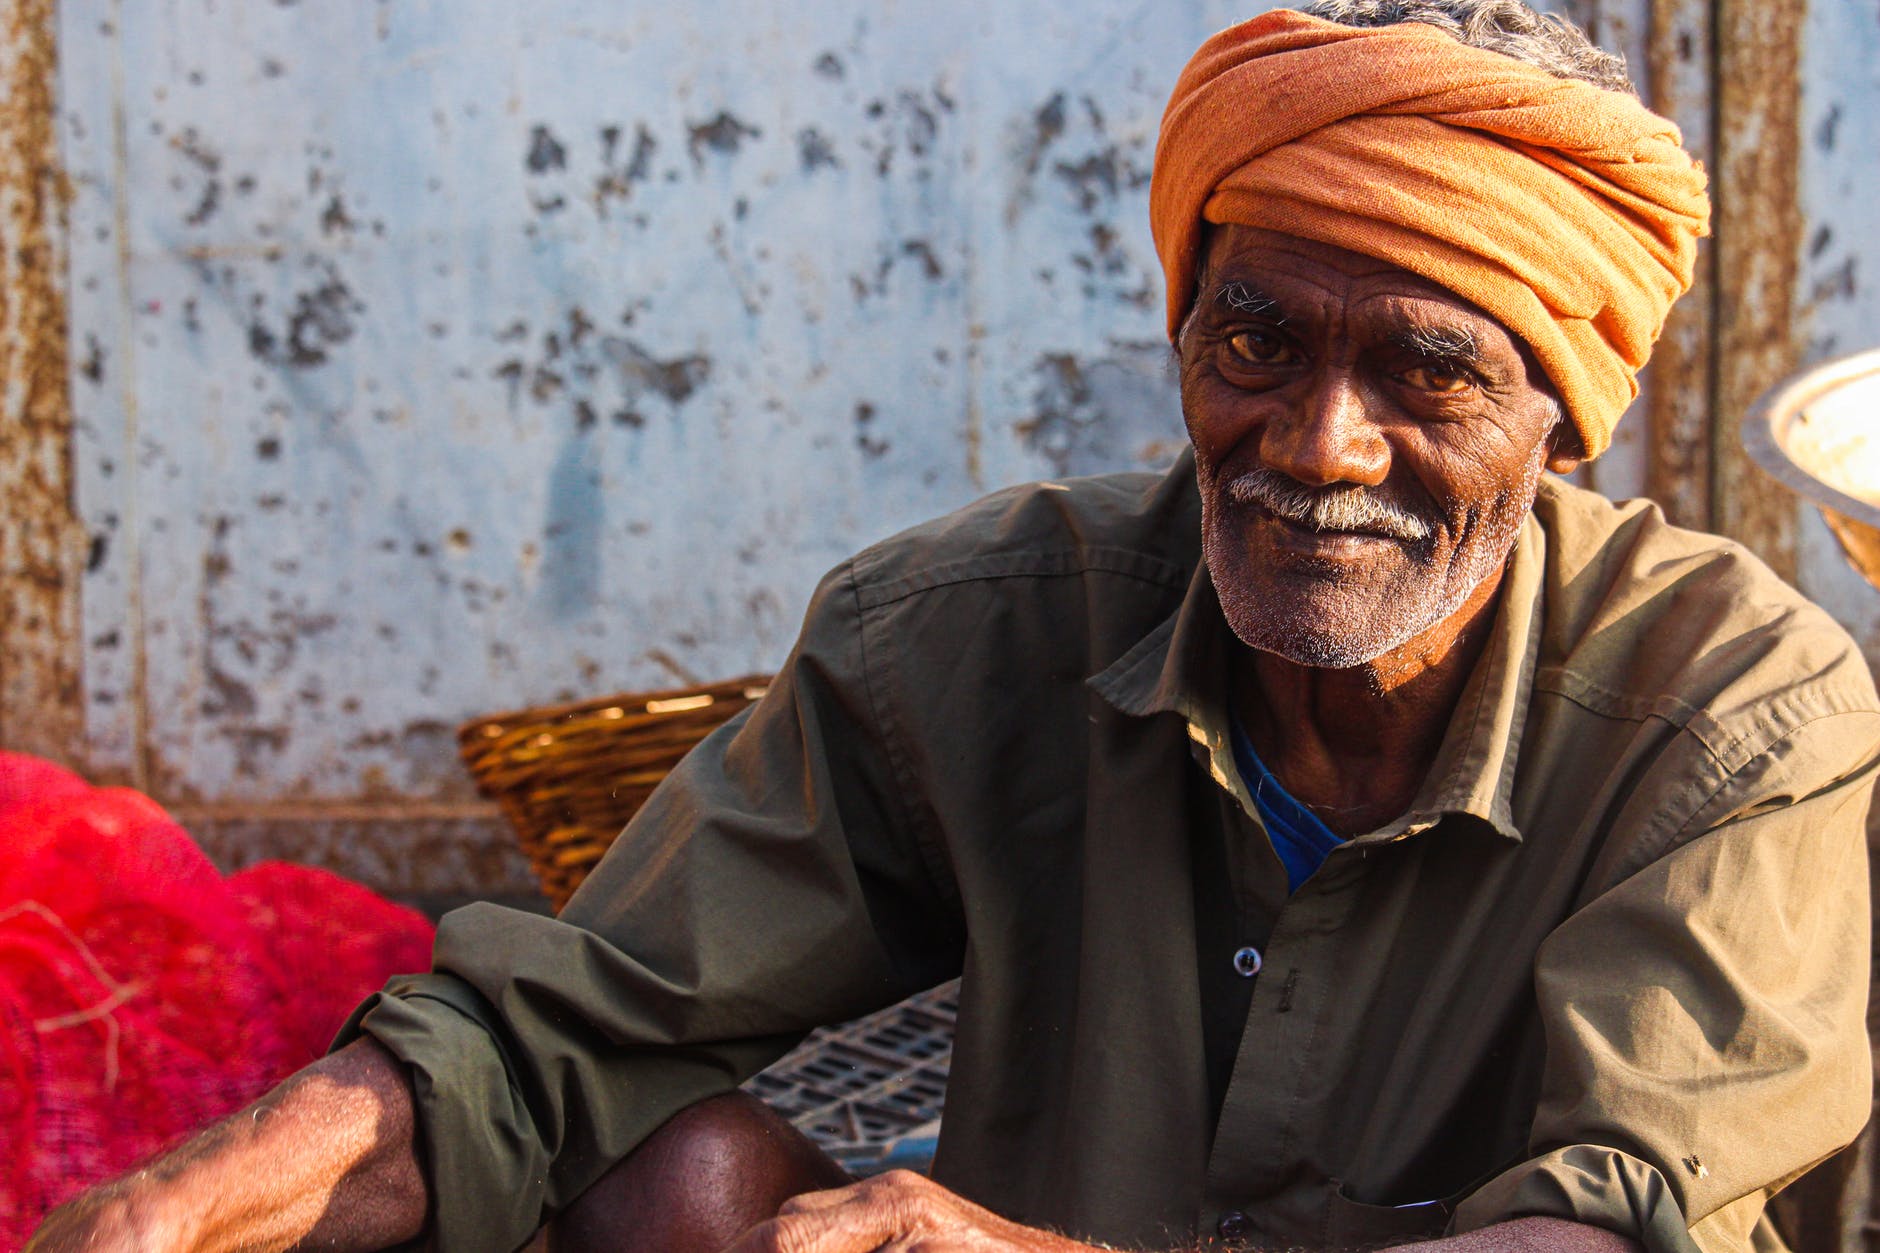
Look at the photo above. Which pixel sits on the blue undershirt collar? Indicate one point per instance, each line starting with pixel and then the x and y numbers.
pixel 1299 836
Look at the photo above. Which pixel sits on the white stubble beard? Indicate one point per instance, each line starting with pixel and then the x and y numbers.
pixel 1353 630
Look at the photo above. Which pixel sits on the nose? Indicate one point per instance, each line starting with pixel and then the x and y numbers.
pixel 1329 438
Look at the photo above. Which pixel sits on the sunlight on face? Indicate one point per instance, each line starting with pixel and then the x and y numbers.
pixel 1367 446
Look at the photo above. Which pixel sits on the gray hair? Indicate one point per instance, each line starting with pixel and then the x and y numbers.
pixel 1509 27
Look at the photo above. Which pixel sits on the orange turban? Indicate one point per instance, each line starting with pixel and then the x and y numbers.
pixel 1567 212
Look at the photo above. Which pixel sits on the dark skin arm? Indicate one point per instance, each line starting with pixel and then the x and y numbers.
pixel 907 1212
pixel 326 1160
pixel 329 1160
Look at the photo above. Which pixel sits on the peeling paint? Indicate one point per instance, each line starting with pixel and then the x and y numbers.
pixel 909 122
pixel 1102 413
pixel 675 378
pixel 335 220
pixel 1101 176
pixel 872 446
pixel 618 179
pixel 815 151
pixel 1759 232
pixel 321 319
pixel 545 152
pixel 207 165
pixel 91 368
pixel 578 382
pixel 723 134
pixel 1047 127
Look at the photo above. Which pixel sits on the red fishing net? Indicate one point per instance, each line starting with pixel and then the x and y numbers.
pixel 142 994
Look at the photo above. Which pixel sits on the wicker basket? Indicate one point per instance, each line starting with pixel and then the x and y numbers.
pixel 569 776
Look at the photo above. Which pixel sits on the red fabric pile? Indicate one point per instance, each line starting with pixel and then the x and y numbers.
pixel 142 994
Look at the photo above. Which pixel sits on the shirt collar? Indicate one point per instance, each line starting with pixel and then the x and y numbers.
pixel 1181 667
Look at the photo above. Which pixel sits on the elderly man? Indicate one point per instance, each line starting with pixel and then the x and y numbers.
pixel 1352 837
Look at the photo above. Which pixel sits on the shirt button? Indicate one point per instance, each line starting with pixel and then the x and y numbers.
pixel 1247 962
pixel 1234 1226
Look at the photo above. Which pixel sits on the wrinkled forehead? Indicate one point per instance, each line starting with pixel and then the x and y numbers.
pixel 1235 259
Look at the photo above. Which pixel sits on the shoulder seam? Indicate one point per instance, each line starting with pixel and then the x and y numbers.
pixel 1678 836
pixel 1729 746
pixel 1573 685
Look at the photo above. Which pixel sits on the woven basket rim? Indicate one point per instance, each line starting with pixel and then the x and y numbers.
pixel 748 687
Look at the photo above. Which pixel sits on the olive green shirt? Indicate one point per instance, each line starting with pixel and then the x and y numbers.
pixel 1610 966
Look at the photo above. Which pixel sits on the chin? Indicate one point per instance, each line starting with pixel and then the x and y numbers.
pixel 1332 618
pixel 1325 647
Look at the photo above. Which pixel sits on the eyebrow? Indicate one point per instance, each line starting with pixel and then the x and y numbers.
pixel 1244 297
pixel 1439 343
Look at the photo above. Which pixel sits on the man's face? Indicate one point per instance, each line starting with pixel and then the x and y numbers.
pixel 1367 444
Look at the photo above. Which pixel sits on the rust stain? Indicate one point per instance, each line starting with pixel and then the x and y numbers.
pixel 42 544
pixel 1678 53
pixel 1759 229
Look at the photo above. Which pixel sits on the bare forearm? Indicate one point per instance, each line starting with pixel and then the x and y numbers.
pixel 327 1159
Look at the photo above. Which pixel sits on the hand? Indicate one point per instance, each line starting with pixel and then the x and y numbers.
pixel 899 1211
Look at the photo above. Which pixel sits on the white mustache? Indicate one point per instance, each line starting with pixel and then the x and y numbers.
pixel 1355 509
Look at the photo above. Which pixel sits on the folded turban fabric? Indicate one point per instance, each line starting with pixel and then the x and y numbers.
pixel 1567 212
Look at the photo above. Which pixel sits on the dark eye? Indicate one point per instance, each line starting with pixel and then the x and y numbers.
pixel 1261 348
pixel 1435 377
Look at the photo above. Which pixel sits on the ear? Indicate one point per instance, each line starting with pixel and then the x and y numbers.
pixel 1565 450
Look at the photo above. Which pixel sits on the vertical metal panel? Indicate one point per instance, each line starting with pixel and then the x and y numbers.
pixel 1678 58
pixel 103 384
pixel 1759 227
pixel 1621 26
pixel 41 548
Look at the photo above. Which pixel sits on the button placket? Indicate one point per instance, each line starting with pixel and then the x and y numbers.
pixel 1273 1061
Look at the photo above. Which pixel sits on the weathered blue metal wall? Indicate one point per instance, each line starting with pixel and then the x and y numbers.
pixel 432 359
pixel 429 359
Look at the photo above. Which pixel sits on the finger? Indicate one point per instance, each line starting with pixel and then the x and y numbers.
pixel 807 1202
pixel 858 1223
pixel 791 1234
pixel 903 1189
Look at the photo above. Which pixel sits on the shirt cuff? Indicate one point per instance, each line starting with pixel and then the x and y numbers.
pixel 488 1171
pixel 1584 1183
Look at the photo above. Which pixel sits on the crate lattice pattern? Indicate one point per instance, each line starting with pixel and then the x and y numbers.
pixel 870 1092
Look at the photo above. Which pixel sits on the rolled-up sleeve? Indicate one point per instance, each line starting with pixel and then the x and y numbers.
pixel 773 883
pixel 1705 1015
